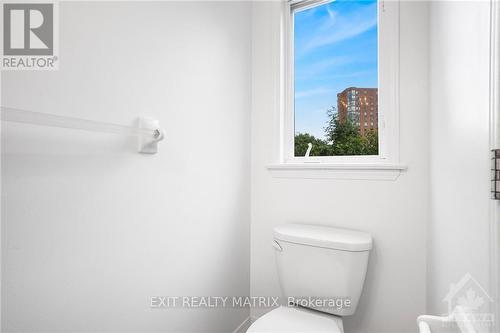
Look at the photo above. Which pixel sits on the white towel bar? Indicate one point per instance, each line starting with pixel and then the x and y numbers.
pixel 148 131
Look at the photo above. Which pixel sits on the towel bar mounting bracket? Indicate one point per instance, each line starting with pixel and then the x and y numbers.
pixel 148 145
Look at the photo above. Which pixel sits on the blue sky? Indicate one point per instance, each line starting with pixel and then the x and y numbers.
pixel 335 48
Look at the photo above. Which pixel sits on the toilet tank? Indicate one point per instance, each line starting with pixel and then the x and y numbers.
pixel 320 267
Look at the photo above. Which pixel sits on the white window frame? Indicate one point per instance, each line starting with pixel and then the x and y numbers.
pixel 388 90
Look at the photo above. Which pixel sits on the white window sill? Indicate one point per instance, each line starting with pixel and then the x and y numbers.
pixel 363 171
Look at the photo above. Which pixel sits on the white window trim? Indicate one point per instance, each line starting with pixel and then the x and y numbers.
pixel 388 159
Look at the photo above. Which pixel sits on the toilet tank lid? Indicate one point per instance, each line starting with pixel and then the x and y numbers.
pixel 323 236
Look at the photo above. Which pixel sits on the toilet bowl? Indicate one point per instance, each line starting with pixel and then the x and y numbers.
pixel 297 319
pixel 323 270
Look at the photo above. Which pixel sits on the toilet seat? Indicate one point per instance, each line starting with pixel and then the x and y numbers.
pixel 298 320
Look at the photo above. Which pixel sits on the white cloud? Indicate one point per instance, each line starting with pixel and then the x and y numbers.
pixel 338 27
pixel 319 67
pixel 331 13
pixel 354 74
pixel 312 92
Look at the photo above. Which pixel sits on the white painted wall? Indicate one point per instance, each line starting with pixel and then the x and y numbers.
pixel 459 163
pixel 394 212
pixel 90 228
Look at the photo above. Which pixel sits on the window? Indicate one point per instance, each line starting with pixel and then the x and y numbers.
pixel 341 88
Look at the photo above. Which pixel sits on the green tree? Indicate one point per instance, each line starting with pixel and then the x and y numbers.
pixel 319 147
pixel 370 142
pixel 341 138
pixel 346 139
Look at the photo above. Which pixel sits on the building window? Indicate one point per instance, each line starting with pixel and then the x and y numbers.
pixel 341 57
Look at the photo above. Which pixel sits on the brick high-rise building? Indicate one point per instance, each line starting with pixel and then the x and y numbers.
pixel 360 105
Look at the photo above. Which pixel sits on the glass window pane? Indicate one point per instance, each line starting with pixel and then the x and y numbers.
pixel 336 79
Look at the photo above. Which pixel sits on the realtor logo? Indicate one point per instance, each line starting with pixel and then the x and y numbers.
pixel 472 298
pixel 28 29
pixel 29 36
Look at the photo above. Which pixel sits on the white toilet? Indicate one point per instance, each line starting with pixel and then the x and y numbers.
pixel 323 270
